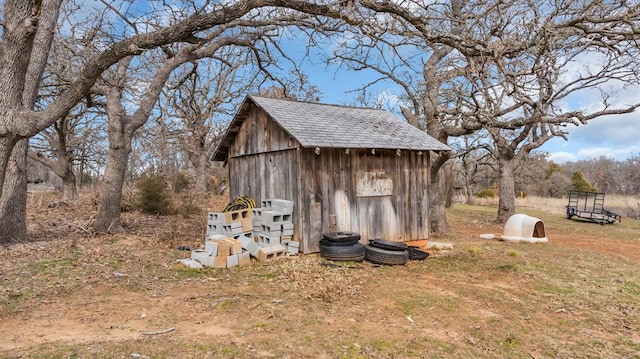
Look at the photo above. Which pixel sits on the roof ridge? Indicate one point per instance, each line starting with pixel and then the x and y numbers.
pixel 316 103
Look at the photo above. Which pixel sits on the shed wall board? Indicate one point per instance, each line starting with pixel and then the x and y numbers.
pixel 264 162
pixel 331 182
pixel 260 134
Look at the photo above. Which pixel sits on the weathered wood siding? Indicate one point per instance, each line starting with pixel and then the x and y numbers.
pixel 260 134
pixel 379 195
pixel 263 163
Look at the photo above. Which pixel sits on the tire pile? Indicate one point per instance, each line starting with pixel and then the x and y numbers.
pixel 346 246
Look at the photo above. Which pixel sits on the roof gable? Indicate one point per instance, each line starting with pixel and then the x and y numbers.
pixel 332 126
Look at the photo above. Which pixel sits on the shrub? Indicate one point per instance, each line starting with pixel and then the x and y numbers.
pixel 189 207
pixel 486 193
pixel 579 183
pixel 152 196
pixel 181 182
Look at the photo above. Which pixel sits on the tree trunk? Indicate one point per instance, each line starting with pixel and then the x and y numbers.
pixel 13 203
pixel 69 189
pixel 7 143
pixel 438 223
pixel 80 176
pixel 469 194
pixel 108 216
pixel 202 172
pixel 437 200
pixel 507 191
pixel 13 175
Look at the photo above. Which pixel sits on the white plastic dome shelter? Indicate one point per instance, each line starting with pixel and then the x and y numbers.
pixel 523 228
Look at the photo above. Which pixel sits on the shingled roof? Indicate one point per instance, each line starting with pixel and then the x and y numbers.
pixel 332 126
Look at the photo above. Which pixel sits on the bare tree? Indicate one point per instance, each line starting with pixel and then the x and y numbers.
pixel 21 22
pixel 35 41
pixel 203 100
pixel 60 158
pixel 498 66
pixel 243 37
pixel 519 94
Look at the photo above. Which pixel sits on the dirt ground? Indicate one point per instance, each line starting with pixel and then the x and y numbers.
pixel 75 295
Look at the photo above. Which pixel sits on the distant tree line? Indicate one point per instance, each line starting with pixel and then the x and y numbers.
pixel 476 175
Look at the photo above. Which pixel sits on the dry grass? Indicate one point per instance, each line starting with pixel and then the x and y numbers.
pixel 87 297
pixel 627 206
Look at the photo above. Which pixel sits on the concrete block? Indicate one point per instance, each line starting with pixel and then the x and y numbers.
pixel 243 234
pixel 287 225
pixel 208 261
pixel 256 216
pixel 225 229
pixel 220 262
pixel 253 248
pixel 288 232
pixel 236 228
pixel 244 258
pixel 216 237
pixel 244 241
pixel 197 254
pixel 272 231
pixel 211 248
pixel 216 218
pixel 232 260
pixel 270 218
pixel 237 215
pixel 224 248
pixel 266 241
pixel 247 224
pixel 202 257
pixel 218 229
pixel 235 246
pixel 212 229
pixel 293 247
pixel 266 204
pixel 270 253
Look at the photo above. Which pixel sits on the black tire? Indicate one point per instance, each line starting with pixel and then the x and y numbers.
pixel 569 213
pixel 385 256
pixel 388 245
pixel 417 255
pixel 328 243
pixel 342 237
pixel 354 253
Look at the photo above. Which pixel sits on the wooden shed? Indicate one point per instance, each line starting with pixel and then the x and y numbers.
pixel 346 168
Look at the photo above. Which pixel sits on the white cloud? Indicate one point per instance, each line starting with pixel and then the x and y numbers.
pixel 562 157
pixel 616 153
pixel 388 100
pixel 610 131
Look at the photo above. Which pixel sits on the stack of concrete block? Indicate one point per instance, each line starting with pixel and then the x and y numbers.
pixel 223 247
pixel 232 237
pixel 234 223
pixel 273 228
pixel 221 251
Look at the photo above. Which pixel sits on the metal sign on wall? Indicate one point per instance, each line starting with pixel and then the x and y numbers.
pixel 374 184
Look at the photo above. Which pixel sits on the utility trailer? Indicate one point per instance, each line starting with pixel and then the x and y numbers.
pixel 590 206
